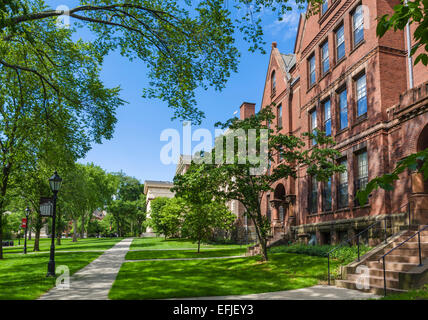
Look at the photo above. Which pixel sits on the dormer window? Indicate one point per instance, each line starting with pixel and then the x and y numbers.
pixel 273 83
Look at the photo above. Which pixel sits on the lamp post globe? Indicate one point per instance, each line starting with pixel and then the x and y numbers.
pixel 55 184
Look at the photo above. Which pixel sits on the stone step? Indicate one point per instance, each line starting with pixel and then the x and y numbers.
pixel 374 280
pixel 403 251
pixel 413 240
pixel 410 244
pixel 395 275
pixel 391 266
pixel 399 258
pixel 373 289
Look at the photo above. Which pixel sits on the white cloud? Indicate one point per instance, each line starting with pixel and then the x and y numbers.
pixel 287 27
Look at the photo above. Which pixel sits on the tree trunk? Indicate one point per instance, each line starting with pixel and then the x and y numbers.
pixel 1 235
pixel 262 240
pixel 5 180
pixel 37 240
pixel 37 227
pixel 74 230
pixel 199 246
pixel 82 228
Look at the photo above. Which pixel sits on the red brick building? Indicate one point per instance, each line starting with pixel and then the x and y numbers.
pixel 344 80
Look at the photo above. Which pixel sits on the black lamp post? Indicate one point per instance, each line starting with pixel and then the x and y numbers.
pixel 27 214
pixel 55 184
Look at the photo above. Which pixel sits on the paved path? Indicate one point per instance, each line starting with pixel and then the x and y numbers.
pixel 311 293
pixel 94 281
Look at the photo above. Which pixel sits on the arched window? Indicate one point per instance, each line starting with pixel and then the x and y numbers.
pixel 273 82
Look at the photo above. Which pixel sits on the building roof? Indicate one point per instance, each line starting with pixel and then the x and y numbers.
pixel 158 184
pixel 289 60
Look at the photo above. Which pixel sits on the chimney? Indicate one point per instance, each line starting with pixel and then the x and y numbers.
pixel 247 110
pixel 274 44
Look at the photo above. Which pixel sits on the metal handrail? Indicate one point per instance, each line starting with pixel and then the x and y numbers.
pixel 365 230
pixel 398 246
pixel 357 236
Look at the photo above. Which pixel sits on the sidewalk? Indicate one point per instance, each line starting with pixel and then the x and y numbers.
pixel 95 280
pixel 311 293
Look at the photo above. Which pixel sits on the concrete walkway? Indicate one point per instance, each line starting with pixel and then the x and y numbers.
pixel 311 293
pixel 94 281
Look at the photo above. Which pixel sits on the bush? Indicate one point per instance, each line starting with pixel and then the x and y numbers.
pixel 344 255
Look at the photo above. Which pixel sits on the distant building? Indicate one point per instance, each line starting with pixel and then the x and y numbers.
pixel 99 215
pixel 156 189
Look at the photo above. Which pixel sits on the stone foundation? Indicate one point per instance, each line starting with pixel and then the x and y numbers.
pixel 334 232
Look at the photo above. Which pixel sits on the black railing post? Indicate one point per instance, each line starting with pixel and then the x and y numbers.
pixel 328 266
pixel 420 251
pixel 384 276
pixel 358 245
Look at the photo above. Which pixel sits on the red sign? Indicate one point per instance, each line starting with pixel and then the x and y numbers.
pixel 24 223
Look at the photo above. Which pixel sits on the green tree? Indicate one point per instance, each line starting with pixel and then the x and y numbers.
pixel 52 116
pixel 202 219
pixel 155 221
pixel 205 211
pixel 170 218
pixel 239 178
pixel 184 46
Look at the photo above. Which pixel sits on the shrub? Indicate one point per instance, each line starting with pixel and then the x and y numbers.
pixel 344 255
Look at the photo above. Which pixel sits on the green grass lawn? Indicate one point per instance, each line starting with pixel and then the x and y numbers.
pixel 421 294
pixel 192 278
pixel 161 243
pixel 24 276
pixel 66 244
pixel 170 254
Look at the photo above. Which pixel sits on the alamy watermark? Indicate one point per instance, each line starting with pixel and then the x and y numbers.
pixel 63 280
pixel 231 147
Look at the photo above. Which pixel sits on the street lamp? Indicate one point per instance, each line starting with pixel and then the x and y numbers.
pixel 55 184
pixel 27 214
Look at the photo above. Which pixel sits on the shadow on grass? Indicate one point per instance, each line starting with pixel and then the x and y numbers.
pixel 67 244
pixel 175 279
pixel 175 254
pixel 24 277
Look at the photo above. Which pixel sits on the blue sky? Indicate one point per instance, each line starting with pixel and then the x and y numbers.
pixel 135 147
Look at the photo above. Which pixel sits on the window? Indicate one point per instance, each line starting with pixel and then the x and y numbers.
pixel 358 25
pixel 313 202
pixel 281 213
pixel 340 43
pixel 279 117
pixel 324 7
pixel 314 125
pixel 361 95
pixel 325 62
pixel 268 212
pixel 343 109
pixel 281 154
pixel 326 201
pixel 312 75
pixel 362 172
pixel 327 117
pixel 342 201
pixel 273 83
